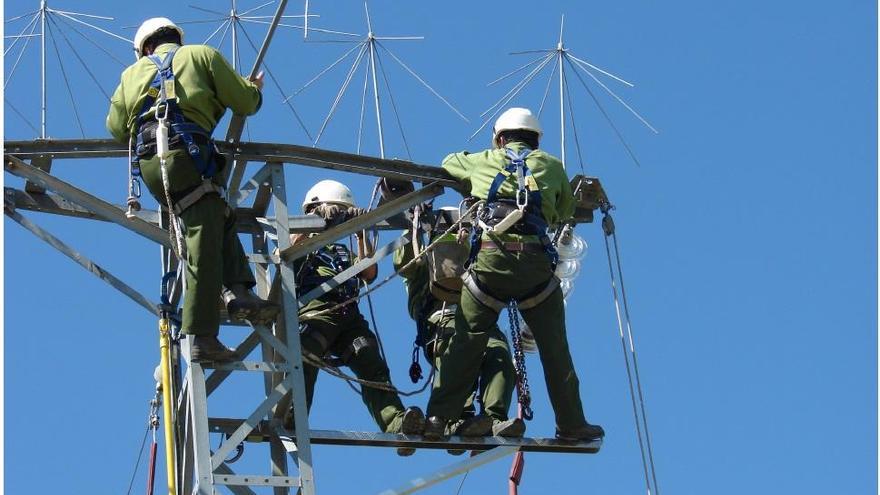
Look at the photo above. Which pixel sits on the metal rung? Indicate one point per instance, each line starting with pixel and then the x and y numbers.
pixel 248 366
pixel 255 480
pixel 375 439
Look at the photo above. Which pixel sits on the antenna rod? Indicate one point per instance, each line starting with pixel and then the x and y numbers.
pixel 43 69
pixel 560 52
pixel 233 17
pixel 376 96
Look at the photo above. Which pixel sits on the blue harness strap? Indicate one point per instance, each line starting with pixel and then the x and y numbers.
pixel 162 90
pixel 533 216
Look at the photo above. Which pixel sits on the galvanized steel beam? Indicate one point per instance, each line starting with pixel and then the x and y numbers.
pixel 17 167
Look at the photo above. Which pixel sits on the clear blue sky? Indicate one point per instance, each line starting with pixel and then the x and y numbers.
pixel 748 237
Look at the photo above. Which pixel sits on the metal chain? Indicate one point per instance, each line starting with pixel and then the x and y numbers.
pixel 523 393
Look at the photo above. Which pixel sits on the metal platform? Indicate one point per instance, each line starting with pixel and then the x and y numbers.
pixel 374 439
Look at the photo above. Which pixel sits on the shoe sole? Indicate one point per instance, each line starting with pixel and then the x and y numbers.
pixel 478 428
pixel 405 451
pixel 262 315
pixel 412 424
pixel 514 430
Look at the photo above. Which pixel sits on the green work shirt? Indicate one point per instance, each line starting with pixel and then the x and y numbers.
pixel 415 278
pixel 476 171
pixel 205 83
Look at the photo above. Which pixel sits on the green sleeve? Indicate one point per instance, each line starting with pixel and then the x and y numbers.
pixel 459 168
pixel 565 206
pixel 233 90
pixel 117 117
pixel 403 255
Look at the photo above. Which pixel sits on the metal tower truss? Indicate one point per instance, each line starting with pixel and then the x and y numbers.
pixel 261 205
pixel 202 470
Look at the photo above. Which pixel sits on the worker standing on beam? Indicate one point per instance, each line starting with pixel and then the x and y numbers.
pixel 341 335
pixel 433 310
pixel 168 103
pixel 511 264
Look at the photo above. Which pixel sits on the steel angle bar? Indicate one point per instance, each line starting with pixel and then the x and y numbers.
pixel 258 179
pixel 271 339
pixel 354 270
pixel 261 366
pixel 375 439
pixel 84 262
pixel 362 222
pixel 44 163
pixel 266 259
pixel 251 422
pixel 251 151
pixel 17 167
pixel 337 160
pixel 198 416
pixel 255 480
pixel 56 205
pixel 292 352
pixel 224 470
pixel 241 351
pixel 68 148
pixel 422 482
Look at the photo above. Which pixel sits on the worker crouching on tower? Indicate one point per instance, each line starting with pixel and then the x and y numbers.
pixel 512 262
pixel 432 303
pixel 341 335
pixel 166 107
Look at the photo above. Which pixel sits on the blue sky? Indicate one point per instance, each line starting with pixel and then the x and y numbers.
pixel 748 238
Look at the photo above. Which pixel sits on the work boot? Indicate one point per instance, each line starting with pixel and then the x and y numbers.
pixel 209 348
pixel 585 433
pixel 435 428
pixel 475 426
pixel 512 428
pixel 410 422
pixel 243 304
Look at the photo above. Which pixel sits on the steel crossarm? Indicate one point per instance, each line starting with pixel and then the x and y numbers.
pixel 250 151
pixel 56 205
pixel 337 160
pixel 19 168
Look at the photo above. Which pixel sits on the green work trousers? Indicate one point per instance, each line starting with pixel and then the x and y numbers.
pixel 508 275
pixel 496 379
pixel 214 255
pixel 334 333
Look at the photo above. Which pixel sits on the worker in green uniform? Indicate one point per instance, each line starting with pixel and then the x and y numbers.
pixel 525 190
pixel 178 94
pixel 341 336
pixel 435 323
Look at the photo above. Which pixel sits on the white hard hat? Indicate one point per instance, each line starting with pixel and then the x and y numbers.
pixel 516 118
pixel 328 191
pixel 151 27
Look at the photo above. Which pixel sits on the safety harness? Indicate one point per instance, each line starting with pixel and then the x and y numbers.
pixel 336 258
pixel 152 133
pixel 524 216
